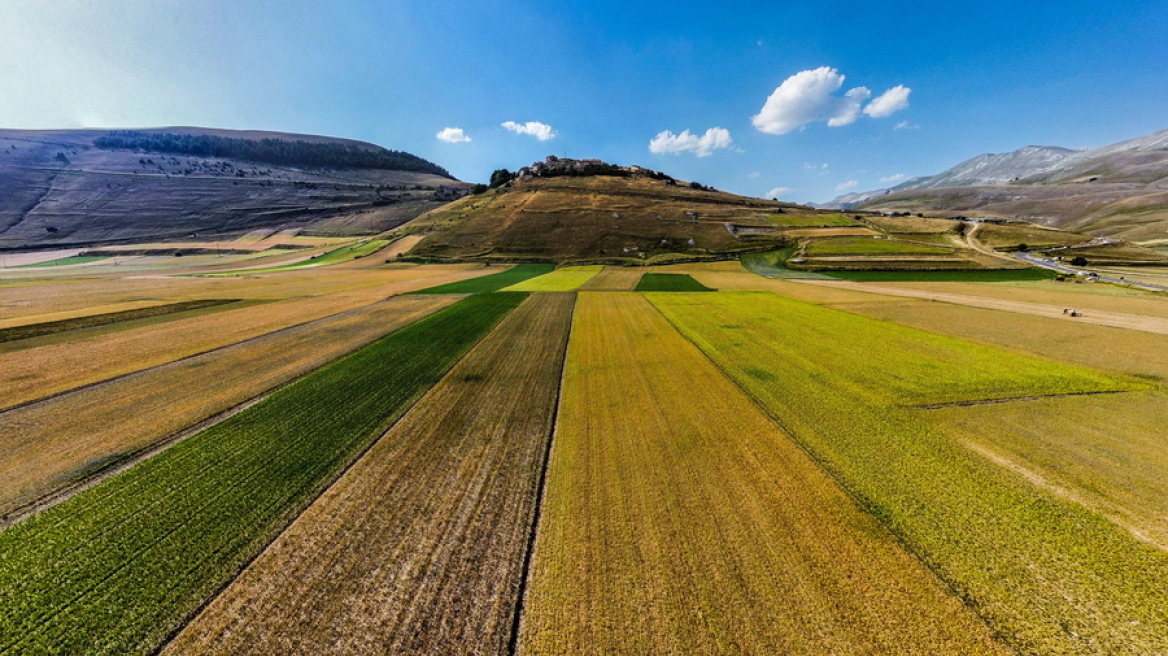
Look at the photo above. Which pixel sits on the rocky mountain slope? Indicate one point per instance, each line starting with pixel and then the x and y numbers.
pixel 1119 190
pixel 89 187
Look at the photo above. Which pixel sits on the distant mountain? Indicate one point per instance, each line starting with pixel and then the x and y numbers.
pixel 1120 190
pixel 90 187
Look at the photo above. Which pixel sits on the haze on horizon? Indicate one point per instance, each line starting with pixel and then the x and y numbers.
pixel 803 100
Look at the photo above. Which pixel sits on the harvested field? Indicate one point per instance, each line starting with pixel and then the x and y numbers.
pixel 1103 298
pixel 564 279
pixel 679 519
pixel 912 224
pixel 419 548
pixel 670 282
pixel 1047 574
pixel 614 279
pixel 119 567
pixel 491 282
pixel 1109 453
pixel 972 275
pixel 51 446
pixel 28 331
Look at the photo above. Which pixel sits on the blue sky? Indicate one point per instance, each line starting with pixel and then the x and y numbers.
pixel 607 78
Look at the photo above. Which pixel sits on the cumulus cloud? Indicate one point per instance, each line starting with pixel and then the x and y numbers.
pixel 452 135
pixel 778 192
pixel 812 96
pixel 713 139
pixel 889 102
pixel 541 131
pixel 895 177
pixel 844 186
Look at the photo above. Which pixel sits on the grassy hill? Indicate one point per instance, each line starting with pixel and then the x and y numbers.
pixel 92 187
pixel 598 218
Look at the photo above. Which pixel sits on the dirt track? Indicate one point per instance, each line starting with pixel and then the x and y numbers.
pixel 1101 318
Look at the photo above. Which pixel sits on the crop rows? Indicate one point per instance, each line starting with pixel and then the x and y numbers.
pixel 1048 575
pixel 419 547
pixel 49 446
pixel 679 519
pixel 118 567
pixel 28 331
pixel 491 282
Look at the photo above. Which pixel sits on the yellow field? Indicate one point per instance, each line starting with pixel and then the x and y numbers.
pixel 419 547
pixel 565 279
pixel 34 373
pixel 1109 453
pixel 679 519
pixel 614 279
pixel 48 446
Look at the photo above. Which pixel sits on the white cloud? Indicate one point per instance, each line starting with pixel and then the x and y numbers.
pixel 849 109
pixel 889 102
pixel 844 186
pixel 905 125
pixel 896 177
pixel 541 131
pixel 809 96
pixel 452 135
pixel 778 192
pixel 713 139
pixel 754 175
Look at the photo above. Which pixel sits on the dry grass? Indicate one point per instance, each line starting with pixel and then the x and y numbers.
pixel 912 224
pixel 419 547
pixel 1010 235
pixel 1102 298
pixel 679 519
pixel 49 446
pixel 615 279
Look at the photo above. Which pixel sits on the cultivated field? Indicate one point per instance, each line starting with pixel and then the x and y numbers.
pixel 1047 574
pixel 679 519
pixel 51 446
pixel 420 547
pixel 614 279
pixel 565 279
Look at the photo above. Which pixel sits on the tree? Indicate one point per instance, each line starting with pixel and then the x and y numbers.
pixel 1079 260
pixel 479 188
pixel 500 177
pixel 1023 247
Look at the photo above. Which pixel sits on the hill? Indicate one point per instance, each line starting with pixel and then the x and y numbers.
pixel 1119 191
pixel 92 187
pixel 586 210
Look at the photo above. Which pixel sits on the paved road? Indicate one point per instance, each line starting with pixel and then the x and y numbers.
pixel 1061 268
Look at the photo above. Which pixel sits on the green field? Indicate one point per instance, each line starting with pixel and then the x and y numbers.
pixel 117 568
pixel 812 220
pixel 1048 575
pixel 870 246
pixel 565 279
pixel 975 275
pixel 65 261
pixel 492 282
pixel 670 282
pixel 29 331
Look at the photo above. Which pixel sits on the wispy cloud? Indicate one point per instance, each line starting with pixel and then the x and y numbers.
pixel 905 125
pixel 668 143
pixel 895 177
pixel 452 135
pixel 844 186
pixel 889 102
pixel 778 192
pixel 754 175
pixel 541 131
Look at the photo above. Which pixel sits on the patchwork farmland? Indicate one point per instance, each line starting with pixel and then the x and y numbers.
pixel 363 455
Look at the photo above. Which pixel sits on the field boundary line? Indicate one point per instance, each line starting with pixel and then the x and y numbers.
pixel 97 383
pixel 855 499
pixel 327 484
pixel 1012 399
pixel 131 458
pixel 529 552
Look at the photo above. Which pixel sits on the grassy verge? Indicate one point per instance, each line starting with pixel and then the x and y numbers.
pixel 65 261
pixel 52 327
pixel 493 282
pixel 117 568
pixel 774 265
pixel 1048 575
pixel 670 282
pixel 984 275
